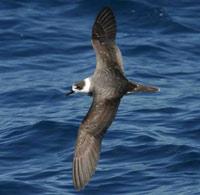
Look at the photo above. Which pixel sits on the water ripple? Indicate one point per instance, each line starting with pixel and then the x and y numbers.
pixel 152 146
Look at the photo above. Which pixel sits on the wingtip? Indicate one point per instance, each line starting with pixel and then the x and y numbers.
pixel 106 8
pixel 104 27
pixel 80 178
pixel 77 180
pixel 85 160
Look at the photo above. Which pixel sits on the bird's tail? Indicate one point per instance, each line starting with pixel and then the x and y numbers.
pixel 136 87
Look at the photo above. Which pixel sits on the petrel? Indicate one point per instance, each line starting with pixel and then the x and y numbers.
pixel 107 86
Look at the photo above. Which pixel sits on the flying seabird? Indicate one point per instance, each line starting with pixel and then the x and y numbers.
pixel 107 86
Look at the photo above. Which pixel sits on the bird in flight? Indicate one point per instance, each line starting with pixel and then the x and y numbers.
pixel 107 86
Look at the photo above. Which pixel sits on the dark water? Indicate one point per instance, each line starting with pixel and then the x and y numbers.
pixel 153 146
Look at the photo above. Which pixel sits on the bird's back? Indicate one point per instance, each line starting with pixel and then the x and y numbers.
pixel 109 83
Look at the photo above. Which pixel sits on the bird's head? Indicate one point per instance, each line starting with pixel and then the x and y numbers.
pixel 81 87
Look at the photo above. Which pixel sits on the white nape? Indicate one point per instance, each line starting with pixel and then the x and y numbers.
pixel 86 88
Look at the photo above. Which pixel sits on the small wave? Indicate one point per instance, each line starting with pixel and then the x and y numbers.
pixel 145 50
pixel 30 96
pixel 185 166
pixel 22 187
pixel 165 110
pixel 174 27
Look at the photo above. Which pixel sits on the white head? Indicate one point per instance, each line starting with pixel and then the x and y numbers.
pixel 82 86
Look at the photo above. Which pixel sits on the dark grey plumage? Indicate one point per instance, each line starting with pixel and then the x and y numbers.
pixel 105 100
pixel 89 140
pixel 108 85
pixel 104 28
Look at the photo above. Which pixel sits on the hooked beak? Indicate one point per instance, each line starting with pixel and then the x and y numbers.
pixel 69 92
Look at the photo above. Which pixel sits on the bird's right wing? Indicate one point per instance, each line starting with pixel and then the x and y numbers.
pixel 103 41
pixel 88 145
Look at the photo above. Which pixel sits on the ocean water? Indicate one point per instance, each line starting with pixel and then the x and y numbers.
pixel 152 147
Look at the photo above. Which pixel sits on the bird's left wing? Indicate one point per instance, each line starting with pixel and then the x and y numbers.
pixel 88 145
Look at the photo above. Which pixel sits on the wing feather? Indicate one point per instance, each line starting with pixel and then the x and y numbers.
pixel 88 145
pixel 103 40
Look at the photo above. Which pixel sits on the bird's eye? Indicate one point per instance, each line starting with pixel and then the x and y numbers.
pixel 78 87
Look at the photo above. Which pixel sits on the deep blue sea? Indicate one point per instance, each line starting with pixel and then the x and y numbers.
pixel 152 147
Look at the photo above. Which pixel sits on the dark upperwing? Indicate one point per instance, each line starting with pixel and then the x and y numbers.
pixel 88 145
pixel 103 41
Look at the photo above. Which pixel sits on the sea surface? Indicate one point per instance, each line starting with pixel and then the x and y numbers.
pixel 153 145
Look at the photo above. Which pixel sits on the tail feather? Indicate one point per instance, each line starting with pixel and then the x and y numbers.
pixel 136 87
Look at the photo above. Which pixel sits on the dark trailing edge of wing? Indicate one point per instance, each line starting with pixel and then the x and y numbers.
pixel 104 27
